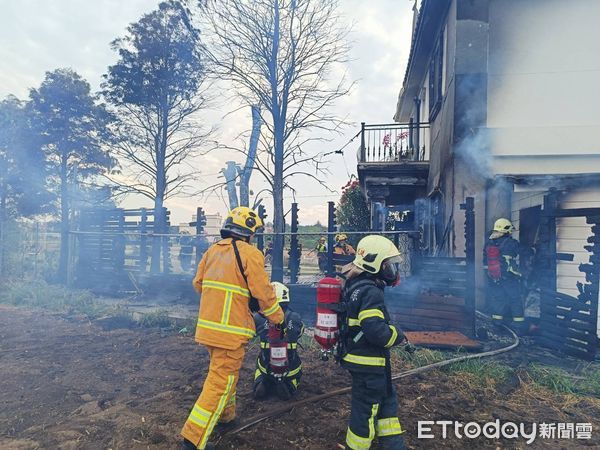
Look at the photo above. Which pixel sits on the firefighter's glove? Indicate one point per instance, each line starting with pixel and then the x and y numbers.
pixel 281 328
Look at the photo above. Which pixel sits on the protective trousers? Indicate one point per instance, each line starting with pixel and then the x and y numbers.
pixel 216 402
pixel 506 300
pixel 284 387
pixel 374 413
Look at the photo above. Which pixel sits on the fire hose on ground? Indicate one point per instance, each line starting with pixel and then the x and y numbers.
pixel 285 408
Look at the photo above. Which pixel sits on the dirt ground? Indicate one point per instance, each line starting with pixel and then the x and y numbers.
pixel 70 384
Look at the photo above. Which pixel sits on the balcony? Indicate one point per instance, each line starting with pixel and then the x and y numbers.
pixel 392 143
pixel 392 168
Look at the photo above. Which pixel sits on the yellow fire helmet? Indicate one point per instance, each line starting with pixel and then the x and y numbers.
pixel 322 239
pixel 372 251
pixel 242 221
pixel 281 292
pixel 503 226
pixel 340 237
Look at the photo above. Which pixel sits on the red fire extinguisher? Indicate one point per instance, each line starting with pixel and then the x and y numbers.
pixel 277 351
pixel 329 291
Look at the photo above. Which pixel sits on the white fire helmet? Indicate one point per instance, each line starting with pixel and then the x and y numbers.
pixel 281 292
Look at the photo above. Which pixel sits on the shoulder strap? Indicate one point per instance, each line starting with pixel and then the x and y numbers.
pixel 254 307
pixel 239 262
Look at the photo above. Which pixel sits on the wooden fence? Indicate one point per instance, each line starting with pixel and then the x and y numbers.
pixel 569 324
pixel 432 299
pixel 111 243
pixel 435 298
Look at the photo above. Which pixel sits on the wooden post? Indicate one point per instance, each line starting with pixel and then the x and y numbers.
pixel 200 223
pixel 469 208
pixel 362 143
pixel 547 259
pixel 166 242
pixel 591 292
pixel 260 237
pixel 294 249
pixel 549 216
pixel 330 238
pixel 143 241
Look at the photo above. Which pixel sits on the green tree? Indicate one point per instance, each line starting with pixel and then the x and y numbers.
pixel 155 90
pixel 352 213
pixel 72 127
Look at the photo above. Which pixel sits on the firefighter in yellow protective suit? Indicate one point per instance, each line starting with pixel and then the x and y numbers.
pixel 233 283
pixel 342 247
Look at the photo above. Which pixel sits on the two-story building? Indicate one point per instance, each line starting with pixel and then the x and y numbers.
pixel 499 102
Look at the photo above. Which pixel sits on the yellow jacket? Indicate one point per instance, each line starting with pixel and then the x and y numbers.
pixel 225 319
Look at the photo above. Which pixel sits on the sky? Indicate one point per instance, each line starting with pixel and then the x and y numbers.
pixel 42 35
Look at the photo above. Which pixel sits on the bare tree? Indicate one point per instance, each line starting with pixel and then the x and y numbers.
pixel 286 56
pixel 234 174
pixel 155 88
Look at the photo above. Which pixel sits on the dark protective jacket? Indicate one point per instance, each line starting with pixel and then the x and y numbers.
pixel 509 251
pixel 294 329
pixel 370 334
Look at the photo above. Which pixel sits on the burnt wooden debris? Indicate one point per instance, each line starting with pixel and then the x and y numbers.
pixel 438 296
pixel 434 298
pixel 569 324
pixel 112 243
pixel 114 246
pixel 469 208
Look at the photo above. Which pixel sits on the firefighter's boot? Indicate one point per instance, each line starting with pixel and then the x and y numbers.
pixel 392 443
pixel 187 445
pixel 283 391
pixel 224 427
pixel 260 390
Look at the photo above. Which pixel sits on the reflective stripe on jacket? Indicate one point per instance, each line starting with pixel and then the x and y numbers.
pixel 370 334
pixel 225 319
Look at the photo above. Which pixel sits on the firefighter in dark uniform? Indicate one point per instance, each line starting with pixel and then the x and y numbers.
pixel 266 380
pixel 367 341
pixel 504 278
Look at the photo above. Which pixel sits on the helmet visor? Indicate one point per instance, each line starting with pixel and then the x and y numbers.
pixel 390 270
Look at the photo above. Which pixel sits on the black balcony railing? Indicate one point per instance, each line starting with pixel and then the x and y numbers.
pixel 388 143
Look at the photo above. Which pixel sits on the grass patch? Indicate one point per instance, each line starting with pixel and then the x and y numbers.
pixel 39 294
pixel 308 342
pixel 561 381
pixel 158 319
pixel 553 378
pixel 480 372
pixel 421 357
pixel 483 372
pixel 591 381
